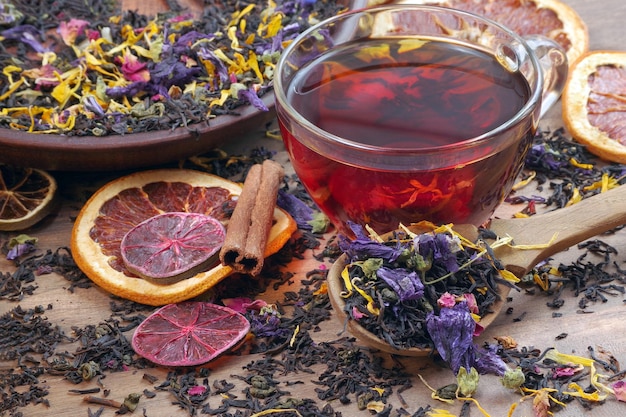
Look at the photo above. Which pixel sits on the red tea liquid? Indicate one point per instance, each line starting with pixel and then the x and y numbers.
pixel 379 94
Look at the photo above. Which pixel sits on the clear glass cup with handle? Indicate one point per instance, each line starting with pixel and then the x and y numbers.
pixel 402 113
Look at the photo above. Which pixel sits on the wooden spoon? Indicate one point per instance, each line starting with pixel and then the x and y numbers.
pixel 563 228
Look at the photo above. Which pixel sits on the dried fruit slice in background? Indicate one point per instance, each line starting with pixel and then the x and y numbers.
pixel 190 333
pixel 594 103
pixel 125 202
pixel 172 246
pixel 26 196
pixel 551 18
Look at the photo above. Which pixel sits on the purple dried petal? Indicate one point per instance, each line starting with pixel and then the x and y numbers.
pixel 130 90
pixel 171 71
pixel 362 247
pixel 251 96
pixel 26 34
pixel 452 334
pixel 92 105
pixel 297 208
pixel 489 362
pixel 267 323
pixel 404 282
pixel 19 250
pixel 440 247
pixel 221 69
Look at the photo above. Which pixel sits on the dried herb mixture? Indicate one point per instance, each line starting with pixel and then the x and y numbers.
pixel 96 70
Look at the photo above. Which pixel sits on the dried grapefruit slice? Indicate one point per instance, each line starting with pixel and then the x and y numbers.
pixel 189 333
pixel 550 18
pixel 26 196
pixel 172 246
pixel 122 204
pixel 594 103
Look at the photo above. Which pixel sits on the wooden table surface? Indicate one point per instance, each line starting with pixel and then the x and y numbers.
pixel 603 326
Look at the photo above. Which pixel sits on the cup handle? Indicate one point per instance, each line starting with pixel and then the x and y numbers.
pixel 554 66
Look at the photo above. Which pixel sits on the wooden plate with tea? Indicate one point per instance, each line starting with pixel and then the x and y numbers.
pixel 137 150
pixel 94 96
pixel 533 239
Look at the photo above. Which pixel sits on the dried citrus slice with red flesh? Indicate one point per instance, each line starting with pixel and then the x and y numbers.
pixel 550 18
pixel 26 196
pixel 594 103
pixel 172 246
pixel 122 204
pixel 189 333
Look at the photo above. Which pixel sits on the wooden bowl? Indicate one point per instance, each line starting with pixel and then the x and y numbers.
pixel 137 150
pixel 336 288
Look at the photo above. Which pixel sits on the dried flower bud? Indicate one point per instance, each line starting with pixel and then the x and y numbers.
pixel 89 370
pixel 467 381
pixel 370 266
pixel 447 392
pixel 513 378
pixel 132 401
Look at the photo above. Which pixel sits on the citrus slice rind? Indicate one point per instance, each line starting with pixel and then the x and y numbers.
pixel 577 96
pixel 173 246
pixel 524 18
pixel 26 198
pixel 189 333
pixel 90 259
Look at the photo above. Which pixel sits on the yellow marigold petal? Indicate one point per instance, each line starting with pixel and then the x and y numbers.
pixel 347 282
pixel 253 64
pixel 509 276
pixel 564 358
pixel 576 197
pixel 573 161
pixel 579 392
pixel 376 406
pixel 274 26
pixel 12 89
pixel 220 102
pixel 523 183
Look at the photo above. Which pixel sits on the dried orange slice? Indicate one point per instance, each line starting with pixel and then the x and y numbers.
pixel 550 18
pixel 594 103
pixel 26 196
pixel 188 334
pixel 124 203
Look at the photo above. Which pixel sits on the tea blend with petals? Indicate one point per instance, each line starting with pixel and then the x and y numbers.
pixel 411 288
pixel 94 70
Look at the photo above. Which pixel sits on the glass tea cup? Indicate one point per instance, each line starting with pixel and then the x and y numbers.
pixel 403 113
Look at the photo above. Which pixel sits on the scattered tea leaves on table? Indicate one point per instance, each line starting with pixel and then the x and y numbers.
pixel 285 343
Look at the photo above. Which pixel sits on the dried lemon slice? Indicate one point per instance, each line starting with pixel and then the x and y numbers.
pixel 26 196
pixel 594 103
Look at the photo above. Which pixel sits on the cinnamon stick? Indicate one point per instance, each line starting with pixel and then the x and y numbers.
pixel 249 226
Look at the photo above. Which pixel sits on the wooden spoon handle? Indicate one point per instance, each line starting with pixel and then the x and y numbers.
pixel 568 226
